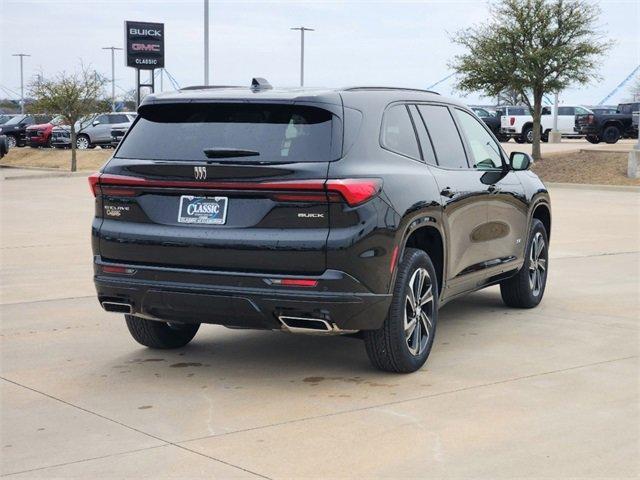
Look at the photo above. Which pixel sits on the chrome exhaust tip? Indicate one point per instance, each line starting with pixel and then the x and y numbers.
pixel 311 326
pixel 117 307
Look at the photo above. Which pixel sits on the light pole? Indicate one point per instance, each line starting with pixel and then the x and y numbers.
pixel 113 75
pixel 302 30
pixel 206 42
pixel 21 55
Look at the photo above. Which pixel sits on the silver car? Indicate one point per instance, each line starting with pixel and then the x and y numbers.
pixel 92 131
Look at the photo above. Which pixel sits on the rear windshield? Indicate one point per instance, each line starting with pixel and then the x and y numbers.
pixel 518 111
pixel 273 133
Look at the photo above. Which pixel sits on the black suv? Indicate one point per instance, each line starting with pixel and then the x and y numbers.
pixel 354 211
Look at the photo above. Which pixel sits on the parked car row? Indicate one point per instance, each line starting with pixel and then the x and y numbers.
pixel 37 130
pixel 596 124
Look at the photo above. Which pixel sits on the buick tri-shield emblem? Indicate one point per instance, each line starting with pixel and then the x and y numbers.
pixel 200 173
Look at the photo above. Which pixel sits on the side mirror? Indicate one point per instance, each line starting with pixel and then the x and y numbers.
pixel 95 122
pixel 520 161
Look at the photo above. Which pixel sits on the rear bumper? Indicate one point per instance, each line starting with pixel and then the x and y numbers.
pixel 242 300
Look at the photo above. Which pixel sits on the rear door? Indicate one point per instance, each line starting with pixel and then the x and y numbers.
pixel 566 119
pixel 463 196
pixel 236 187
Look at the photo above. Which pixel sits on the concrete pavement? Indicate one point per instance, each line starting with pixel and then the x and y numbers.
pixel 549 392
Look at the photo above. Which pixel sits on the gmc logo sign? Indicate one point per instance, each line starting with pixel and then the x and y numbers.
pixel 145 47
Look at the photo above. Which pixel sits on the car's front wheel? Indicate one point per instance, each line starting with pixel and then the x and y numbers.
pixel 526 288
pixel 163 335
pixel 404 342
pixel 11 141
pixel 593 139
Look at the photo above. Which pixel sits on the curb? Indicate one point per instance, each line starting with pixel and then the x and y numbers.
pixel 587 186
pixel 49 174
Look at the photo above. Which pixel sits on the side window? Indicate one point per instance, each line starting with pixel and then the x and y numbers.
pixel 423 136
pixel 546 111
pixel 581 111
pixel 119 118
pixel 486 152
pixel 398 134
pixel 444 135
pixel 102 119
pixel 566 111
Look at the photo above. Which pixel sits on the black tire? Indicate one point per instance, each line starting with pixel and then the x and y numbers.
pixel 153 334
pixel 518 139
pixel 519 291
pixel 545 136
pixel 593 139
pixel 527 135
pixel 389 348
pixel 502 138
pixel 611 134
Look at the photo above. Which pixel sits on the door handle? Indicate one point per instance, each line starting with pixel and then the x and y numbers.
pixel 447 192
pixel 493 189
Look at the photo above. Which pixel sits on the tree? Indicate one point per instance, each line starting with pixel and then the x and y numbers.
pixel 532 47
pixel 509 97
pixel 72 95
pixel 634 90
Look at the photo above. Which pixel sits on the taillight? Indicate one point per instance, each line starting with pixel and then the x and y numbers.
pixel 512 120
pixel 93 182
pixel 590 119
pixel 353 190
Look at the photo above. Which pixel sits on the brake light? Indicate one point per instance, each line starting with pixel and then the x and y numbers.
pixel 590 119
pixel 117 269
pixel 512 120
pixel 355 190
pixel 93 182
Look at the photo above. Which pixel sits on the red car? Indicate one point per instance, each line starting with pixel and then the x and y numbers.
pixel 40 135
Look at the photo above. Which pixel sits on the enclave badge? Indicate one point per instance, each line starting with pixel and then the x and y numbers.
pixel 200 173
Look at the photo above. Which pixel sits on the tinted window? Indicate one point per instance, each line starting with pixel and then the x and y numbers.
pixel 566 111
pixel 581 110
pixel 546 111
pixel 485 150
pixel 444 135
pixel 398 134
pixel 278 133
pixel 425 142
pixel 102 119
pixel 481 112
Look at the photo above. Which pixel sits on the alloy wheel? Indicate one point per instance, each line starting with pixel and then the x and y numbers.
pixel 537 264
pixel 82 143
pixel 418 312
pixel 11 141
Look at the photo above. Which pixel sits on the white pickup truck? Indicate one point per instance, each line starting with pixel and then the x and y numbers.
pixel 520 127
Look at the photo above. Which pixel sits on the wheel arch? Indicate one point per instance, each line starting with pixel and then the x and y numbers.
pixel 430 239
pixel 542 212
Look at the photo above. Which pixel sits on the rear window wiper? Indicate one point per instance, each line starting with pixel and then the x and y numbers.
pixel 229 153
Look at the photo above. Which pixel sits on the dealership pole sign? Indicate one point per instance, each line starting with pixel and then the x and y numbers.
pixel 145 45
pixel 145 51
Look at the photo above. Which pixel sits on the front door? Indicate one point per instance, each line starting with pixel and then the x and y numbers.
pixel 504 234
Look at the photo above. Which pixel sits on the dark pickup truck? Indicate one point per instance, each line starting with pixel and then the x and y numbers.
pixel 608 127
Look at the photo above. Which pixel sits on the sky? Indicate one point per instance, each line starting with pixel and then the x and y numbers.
pixel 398 43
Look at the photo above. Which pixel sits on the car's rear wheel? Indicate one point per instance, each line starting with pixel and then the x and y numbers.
pixel 82 142
pixel 593 139
pixel 163 335
pixel 527 134
pixel 611 134
pixel 404 342
pixel 526 288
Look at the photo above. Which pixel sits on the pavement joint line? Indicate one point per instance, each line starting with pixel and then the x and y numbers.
pixel 117 422
pixel 46 245
pixel 406 400
pixel 73 462
pixel 590 255
pixel 46 300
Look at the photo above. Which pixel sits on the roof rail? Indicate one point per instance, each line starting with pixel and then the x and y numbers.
pixel 208 87
pixel 351 89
